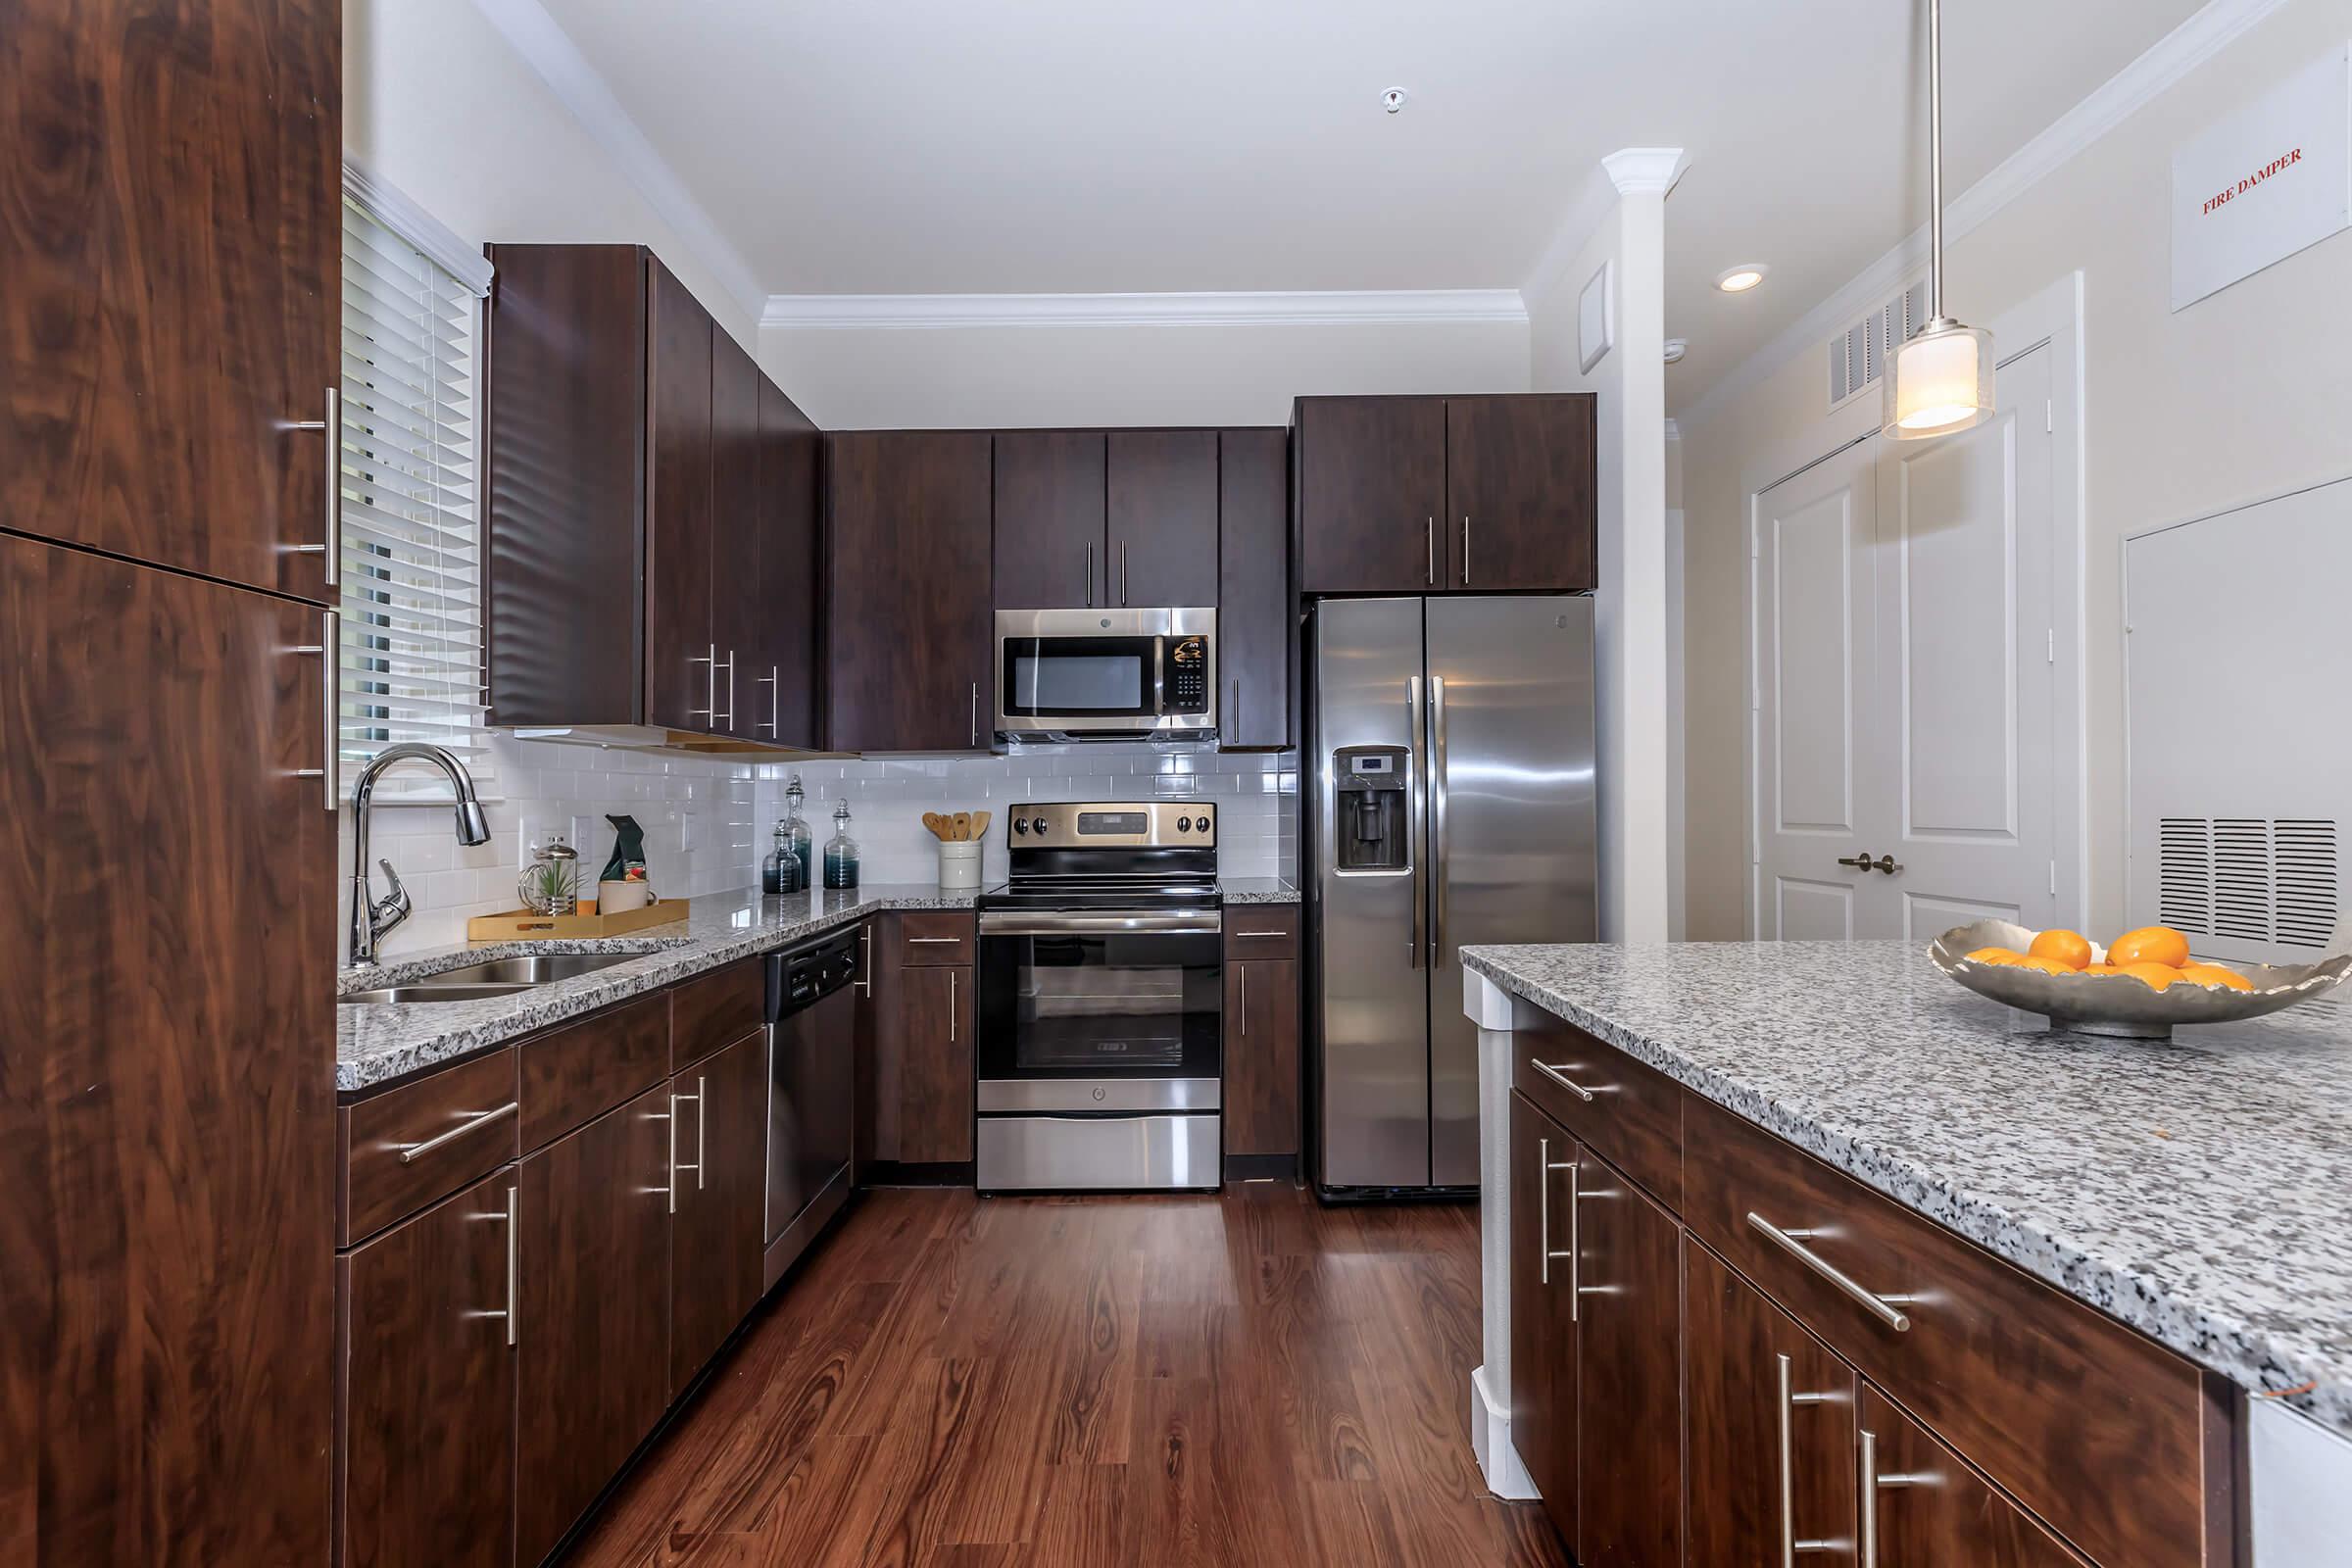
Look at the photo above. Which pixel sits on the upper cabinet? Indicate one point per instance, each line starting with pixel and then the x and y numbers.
pixel 169 327
pixel 1116 519
pixel 1049 520
pixel 1410 495
pixel 1160 488
pixel 653 504
pixel 907 624
pixel 1256 619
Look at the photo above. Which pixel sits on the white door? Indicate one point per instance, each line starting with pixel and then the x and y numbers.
pixel 1817 800
pixel 1905 681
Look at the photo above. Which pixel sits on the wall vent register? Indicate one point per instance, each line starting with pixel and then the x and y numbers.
pixel 1858 355
pixel 2249 879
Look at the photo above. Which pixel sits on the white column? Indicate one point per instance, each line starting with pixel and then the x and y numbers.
pixel 1491 1008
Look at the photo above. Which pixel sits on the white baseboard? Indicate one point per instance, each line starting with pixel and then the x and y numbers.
pixel 1490 1436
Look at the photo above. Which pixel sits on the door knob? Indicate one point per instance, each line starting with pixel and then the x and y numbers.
pixel 1860 863
pixel 1886 863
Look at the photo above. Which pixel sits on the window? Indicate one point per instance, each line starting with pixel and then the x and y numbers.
pixel 412 647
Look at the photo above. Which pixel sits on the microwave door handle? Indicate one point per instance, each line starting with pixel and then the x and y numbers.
pixel 1159 673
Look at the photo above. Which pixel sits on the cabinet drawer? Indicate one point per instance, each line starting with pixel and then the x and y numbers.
pixel 578 1072
pixel 1926 1505
pixel 1627 1113
pixel 1260 931
pixel 713 1010
pixel 412 1146
pixel 928 939
pixel 2097 1430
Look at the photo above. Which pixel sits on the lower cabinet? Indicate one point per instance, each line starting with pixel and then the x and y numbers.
pixel 426 1469
pixel 591 1370
pixel 718 1184
pixel 916 1027
pixel 1543 1391
pixel 1261 1034
pixel 1924 1507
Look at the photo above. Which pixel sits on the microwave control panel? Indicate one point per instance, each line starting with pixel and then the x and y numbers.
pixel 1188 675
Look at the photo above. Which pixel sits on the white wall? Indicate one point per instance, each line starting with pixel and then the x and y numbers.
pixel 2243 393
pixel 853 378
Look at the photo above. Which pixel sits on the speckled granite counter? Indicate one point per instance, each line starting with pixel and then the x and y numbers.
pixel 1256 889
pixel 381 1042
pixel 2198 1189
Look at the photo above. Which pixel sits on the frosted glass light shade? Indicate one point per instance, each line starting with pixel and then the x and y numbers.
pixel 1940 381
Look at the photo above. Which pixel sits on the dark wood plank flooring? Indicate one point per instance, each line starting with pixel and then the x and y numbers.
pixel 1250 1379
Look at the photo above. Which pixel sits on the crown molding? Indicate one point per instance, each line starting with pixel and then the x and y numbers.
pixel 2131 90
pixel 1331 308
pixel 549 50
pixel 440 244
pixel 1645 171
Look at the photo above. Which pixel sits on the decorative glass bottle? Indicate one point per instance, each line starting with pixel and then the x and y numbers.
pixel 779 869
pixel 795 838
pixel 840 852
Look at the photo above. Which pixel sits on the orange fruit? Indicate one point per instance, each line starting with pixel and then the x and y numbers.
pixel 2156 975
pixel 1997 956
pixel 2069 948
pixel 2100 969
pixel 2150 944
pixel 2035 961
pixel 2213 974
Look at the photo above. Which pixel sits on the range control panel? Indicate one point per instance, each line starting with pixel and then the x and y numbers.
pixel 1115 824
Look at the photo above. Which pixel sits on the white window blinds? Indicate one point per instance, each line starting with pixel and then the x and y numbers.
pixel 412 654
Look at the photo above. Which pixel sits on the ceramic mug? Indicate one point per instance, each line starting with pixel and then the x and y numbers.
pixel 620 897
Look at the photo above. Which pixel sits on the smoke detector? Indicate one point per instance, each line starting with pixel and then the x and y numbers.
pixel 1676 347
pixel 1393 100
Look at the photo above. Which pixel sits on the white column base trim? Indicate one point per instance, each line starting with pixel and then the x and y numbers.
pixel 1490 1436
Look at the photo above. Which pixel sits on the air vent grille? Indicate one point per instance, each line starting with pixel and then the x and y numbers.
pixel 1858 355
pixel 2249 879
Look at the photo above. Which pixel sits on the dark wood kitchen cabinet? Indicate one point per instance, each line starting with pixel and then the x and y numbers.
pixel 1521 496
pixel 1628 1334
pixel 426 1405
pixel 1049 538
pixel 639 465
pixel 909 633
pixel 1410 495
pixel 592 1368
pixel 718 1109
pixel 1928 1509
pixel 1261 1036
pixel 1771 1422
pixel 1160 547
pixel 166 1138
pixel 1256 612
pixel 1543 1391
pixel 916 1027
pixel 171 232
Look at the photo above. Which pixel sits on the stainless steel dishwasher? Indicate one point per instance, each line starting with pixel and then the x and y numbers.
pixel 811 1093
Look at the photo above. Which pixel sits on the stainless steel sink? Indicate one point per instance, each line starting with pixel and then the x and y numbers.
pixel 530 969
pixel 431 993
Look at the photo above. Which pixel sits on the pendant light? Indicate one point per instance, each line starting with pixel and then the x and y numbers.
pixel 1941 380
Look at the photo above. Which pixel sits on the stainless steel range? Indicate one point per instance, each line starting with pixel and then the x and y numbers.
pixel 1100 1007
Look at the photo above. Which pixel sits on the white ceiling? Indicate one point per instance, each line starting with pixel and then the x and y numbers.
pixel 1083 146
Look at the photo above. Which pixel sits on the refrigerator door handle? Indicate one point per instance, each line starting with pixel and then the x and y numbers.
pixel 1413 807
pixel 1437 801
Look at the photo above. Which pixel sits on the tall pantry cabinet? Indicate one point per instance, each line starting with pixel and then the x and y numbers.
pixel 169 231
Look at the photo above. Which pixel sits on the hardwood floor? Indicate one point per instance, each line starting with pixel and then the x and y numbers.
pixel 1238 1380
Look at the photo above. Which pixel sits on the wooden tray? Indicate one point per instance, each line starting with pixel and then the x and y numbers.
pixel 525 925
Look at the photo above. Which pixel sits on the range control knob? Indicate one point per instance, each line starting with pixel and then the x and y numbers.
pixel 1020 825
pixel 1184 825
pixel 1036 824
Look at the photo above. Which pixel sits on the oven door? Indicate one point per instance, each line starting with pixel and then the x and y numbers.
pixel 1097 1012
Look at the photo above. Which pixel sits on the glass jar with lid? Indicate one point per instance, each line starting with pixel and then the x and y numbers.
pixel 840 852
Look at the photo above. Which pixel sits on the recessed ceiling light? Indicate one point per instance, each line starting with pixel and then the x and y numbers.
pixel 1676 347
pixel 1739 279
pixel 1393 100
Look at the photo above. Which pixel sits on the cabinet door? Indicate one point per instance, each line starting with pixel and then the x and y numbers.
pixel 592 1367
pixel 167 1133
pixel 1371 494
pixel 1543 1361
pixel 1049 520
pixel 1256 612
pixel 173 254
pixel 1161 488
pixel 1521 497
pixel 719 1119
pixel 681 681
pixel 1261 1057
pixel 780 679
pixel 908 640
pixel 1629 1375
pixel 428 1418
pixel 738 612
pixel 1924 1507
pixel 935 1063
pixel 1770 1420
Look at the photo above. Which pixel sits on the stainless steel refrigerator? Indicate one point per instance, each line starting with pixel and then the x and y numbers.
pixel 1452 758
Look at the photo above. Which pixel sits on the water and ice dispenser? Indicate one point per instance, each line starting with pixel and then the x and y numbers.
pixel 1372 828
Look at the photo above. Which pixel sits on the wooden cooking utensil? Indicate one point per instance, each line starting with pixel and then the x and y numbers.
pixel 937 824
pixel 980 821
pixel 964 826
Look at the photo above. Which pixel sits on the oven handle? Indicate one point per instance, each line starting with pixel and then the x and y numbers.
pixel 1015 924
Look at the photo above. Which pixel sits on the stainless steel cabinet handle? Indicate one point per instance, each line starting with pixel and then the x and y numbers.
pixel 917 942
pixel 672 1118
pixel 729 720
pixel 1260 933
pixel 330 648
pixel 702 1126
pixel 1235 734
pixel 1872 1483
pixel 866 959
pixel 975 713
pixel 709 708
pixel 416 1151
pixel 1244 970
pixel 331 549
pixel 774 681
pixel 1412 737
pixel 1429 535
pixel 1090 576
pixel 1122 571
pixel 1560 1078
pixel 950 1006
pixel 1793 1243
pixel 1545 1165
pixel 1465 550
pixel 675 1101
pixel 1441 795
pixel 1790 1399
pixel 514 1265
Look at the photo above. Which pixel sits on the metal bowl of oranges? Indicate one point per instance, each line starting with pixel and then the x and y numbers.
pixel 2139 988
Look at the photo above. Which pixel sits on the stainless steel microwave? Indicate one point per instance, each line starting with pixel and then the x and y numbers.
pixel 1107 674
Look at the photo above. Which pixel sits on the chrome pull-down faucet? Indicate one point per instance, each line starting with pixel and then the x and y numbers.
pixel 371 920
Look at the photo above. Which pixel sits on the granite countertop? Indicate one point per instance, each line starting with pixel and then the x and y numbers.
pixel 376 1043
pixel 2199 1190
pixel 1256 889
